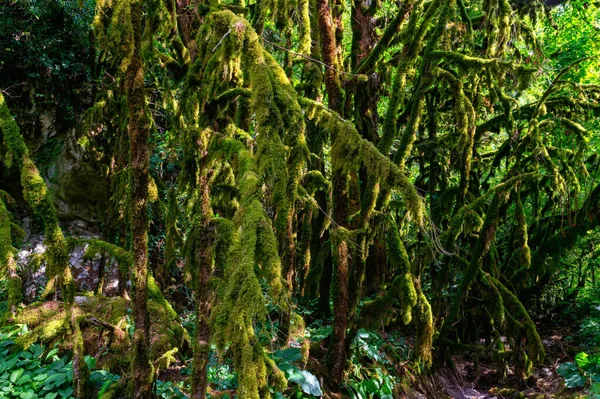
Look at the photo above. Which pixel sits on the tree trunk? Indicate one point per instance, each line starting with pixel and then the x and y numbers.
pixel 203 259
pixel 138 129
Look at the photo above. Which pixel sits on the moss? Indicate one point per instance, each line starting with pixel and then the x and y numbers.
pixel 535 347
pixel 298 326
pixel 472 222
pixel 351 148
pixel 38 197
pixel 270 172
pixel 524 252
pixel 49 323
pixel 16 148
pixel 155 295
pixel 410 132
pixel 47 331
pixel 8 265
pixel 425 330
pixel 81 372
pixel 152 191
pixel 95 246
pixel 381 311
pixel 172 240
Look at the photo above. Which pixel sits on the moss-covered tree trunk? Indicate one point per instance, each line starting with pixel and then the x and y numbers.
pixel 138 129
pixel 8 265
pixel 337 355
pixel 203 262
pixel 37 195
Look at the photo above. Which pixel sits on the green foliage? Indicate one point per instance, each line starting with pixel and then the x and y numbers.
pixel 305 380
pixel 472 208
pixel 169 390
pixel 32 373
pixel 373 359
pixel 46 52
pixel 585 371
pixel 380 386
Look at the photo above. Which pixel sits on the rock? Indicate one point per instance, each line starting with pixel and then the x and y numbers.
pixel 82 300
pixel 74 200
pixel 30 260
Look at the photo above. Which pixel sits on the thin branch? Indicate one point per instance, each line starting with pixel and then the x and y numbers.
pixel 309 58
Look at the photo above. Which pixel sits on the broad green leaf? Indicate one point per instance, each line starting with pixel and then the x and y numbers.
pixel 309 384
pixel 28 395
pixel 51 353
pixel 66 392
pixel 24 378
pixel 371 386
pixel 288 355
pixel 56 379
pixel 14 376
pixel 575 381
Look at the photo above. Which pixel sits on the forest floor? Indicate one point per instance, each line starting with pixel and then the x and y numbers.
pixel 468 378
pixel 480 379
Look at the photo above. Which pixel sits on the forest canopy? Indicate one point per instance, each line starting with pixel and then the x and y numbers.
pixel 299 198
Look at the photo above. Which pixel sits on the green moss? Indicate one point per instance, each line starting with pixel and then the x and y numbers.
pixel 8 265
pixel 17 150
pixel 156 296
pixel 81 372
pixel 352 150
pixel 381 311
pixel 425 331
pixel 535 347
pixel 50 323
pixel 472 222
pixel 46 330
pixel 95 246
pixel 38 197
pixel 521 233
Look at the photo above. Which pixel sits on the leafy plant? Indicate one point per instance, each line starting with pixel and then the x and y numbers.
pixel 380 386
pixel 585 370
pixel 374 382
pixel 32 373
pixel 168 389
pixel 306 381
pixel 221 375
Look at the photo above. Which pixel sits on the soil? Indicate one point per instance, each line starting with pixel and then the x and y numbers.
pixel 469 379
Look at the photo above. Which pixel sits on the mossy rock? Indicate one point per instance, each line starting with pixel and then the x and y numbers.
pixel 48 325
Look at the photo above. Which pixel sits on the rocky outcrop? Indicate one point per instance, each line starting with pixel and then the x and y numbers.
pixel 77 181
pixel 70 167
pixel 85 271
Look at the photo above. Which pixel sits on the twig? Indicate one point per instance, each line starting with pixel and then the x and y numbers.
pixel 308 58
pixel 5 91
pixel 224 36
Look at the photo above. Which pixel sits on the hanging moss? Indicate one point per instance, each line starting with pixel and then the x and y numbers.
pixel 535 347
pixel 122 257
pixel 172 239
pixel 8 265
pixel 242 302
pixel 425 330
pixel 352 148
pixel 39 199
pixel 523 247
pixel 381 311
pixel 15 144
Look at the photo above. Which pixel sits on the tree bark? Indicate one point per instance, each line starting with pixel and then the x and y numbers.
pixel 203 259
pixel 139 129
